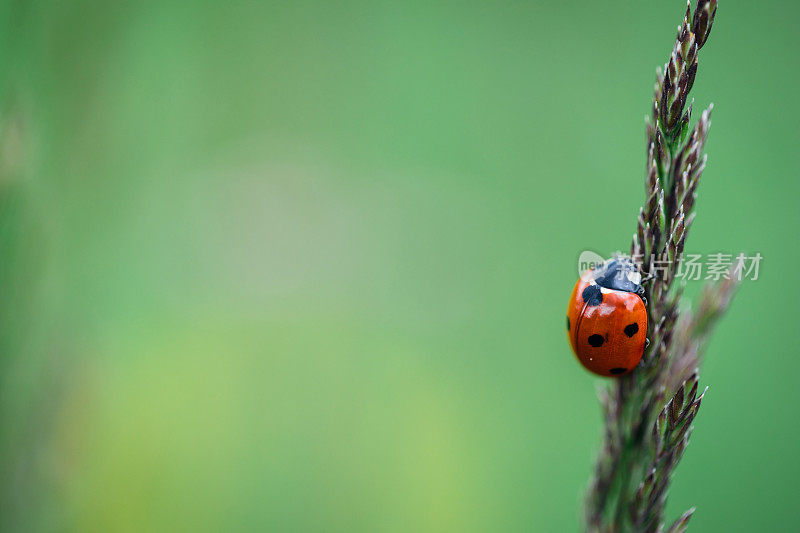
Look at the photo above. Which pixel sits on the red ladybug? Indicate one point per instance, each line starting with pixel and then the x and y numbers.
pixel 607 318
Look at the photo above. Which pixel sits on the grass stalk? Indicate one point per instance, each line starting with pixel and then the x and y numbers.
pixel 649 413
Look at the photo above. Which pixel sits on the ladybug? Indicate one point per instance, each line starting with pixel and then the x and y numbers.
pixel 607 318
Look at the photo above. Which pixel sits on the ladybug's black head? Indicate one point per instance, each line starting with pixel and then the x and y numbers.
pixel 618 273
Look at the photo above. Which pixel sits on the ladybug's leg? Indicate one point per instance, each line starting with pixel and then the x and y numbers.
pixel 640 292
pixel 646 343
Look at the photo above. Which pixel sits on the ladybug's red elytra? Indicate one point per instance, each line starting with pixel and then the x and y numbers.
pixel 607 318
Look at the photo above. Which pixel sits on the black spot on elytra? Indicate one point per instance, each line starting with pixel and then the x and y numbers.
pixel 567 323
pixel 631 329
pixel 592 295
pixel 596 340
pixel 618 370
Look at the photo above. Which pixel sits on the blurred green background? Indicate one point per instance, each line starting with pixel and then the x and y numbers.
pixel 303 266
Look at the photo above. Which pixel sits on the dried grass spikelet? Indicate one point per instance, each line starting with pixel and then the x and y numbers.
pixel 648 414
